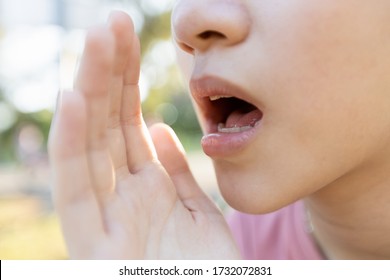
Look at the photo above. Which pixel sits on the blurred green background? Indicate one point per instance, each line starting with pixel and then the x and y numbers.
pixel 38 55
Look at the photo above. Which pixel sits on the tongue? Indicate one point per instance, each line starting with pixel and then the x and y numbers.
pixel 239 118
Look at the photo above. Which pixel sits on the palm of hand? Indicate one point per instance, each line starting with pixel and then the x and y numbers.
pixel 119 192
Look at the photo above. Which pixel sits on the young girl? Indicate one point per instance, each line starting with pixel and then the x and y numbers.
pixel 294 101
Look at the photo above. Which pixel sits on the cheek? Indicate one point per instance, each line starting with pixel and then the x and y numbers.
pixel 327 80
pixel 325 91
pixel 321 45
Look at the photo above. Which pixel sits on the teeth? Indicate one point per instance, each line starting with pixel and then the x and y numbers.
pixel 216 97
pixel 235 129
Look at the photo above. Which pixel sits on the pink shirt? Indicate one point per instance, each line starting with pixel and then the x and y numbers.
pixel 281 235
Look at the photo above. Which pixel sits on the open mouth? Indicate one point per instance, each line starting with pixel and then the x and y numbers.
pixel 225 107
pixel 232 115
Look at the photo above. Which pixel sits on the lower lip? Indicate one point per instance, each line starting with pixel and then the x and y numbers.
pixel 219 145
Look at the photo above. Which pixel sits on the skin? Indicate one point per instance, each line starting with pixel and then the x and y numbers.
pixel 118 195
pixel 318 70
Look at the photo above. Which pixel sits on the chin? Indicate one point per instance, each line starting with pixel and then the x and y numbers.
pixel 253 193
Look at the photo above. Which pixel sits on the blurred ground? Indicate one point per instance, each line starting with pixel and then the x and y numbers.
pixel 29 228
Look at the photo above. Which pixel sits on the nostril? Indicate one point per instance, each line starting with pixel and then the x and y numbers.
pixel 186 48
pixel 199 25
pixel 204 36
pixel 211 34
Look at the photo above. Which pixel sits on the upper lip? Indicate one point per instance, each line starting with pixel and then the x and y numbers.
pixel 207 86
pixel 204 87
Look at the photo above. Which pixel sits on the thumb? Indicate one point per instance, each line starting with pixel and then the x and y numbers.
pixel 171 154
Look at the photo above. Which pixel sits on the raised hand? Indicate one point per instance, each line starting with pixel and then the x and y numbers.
pixel 120 193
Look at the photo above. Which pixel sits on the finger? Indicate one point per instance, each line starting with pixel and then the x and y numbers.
pixel 122 28
pixel 92 82
pixel 172 156
pixel 140 149
pixel 73 196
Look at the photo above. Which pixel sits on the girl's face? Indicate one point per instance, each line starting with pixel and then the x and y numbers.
pixel 309 83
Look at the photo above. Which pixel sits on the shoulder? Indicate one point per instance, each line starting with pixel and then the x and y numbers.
pixel 282 234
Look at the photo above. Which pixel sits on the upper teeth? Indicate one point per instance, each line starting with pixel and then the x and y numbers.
pixel 216 97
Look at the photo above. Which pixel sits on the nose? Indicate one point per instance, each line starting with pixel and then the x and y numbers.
pixel 198 25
